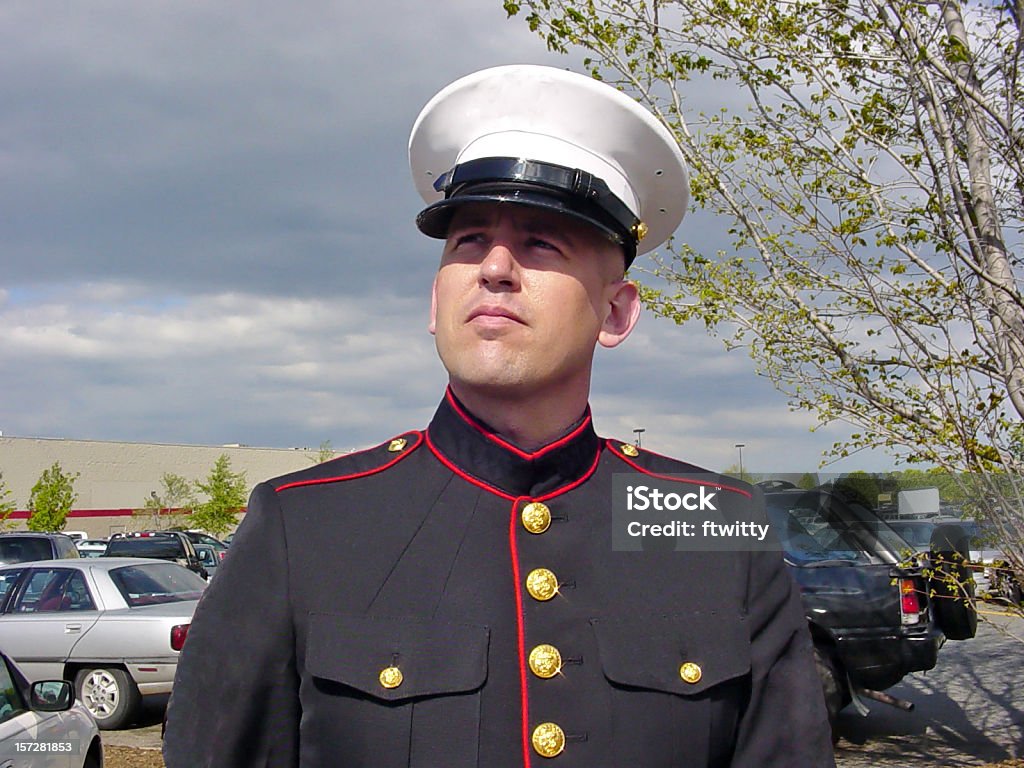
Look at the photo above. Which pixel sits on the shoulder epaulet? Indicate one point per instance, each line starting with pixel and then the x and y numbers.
pixel 667 468
pixel 353 465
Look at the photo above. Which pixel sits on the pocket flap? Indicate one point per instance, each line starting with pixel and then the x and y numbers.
pixel 432 657
pixel 679 654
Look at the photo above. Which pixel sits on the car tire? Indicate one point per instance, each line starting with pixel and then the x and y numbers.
pixel 109 694
pixel 951 585
pixel 833 685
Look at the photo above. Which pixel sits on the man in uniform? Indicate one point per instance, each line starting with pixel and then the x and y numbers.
pixel 452 597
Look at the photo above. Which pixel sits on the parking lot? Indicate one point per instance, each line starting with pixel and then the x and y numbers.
pixel 968 711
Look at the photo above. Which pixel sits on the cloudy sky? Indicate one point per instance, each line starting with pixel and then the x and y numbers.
pixel 206 235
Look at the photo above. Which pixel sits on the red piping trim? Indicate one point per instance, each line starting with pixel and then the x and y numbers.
pixel 506 445
pixel 468 478
pixel 354 475
pixel 524 699
pixel 496 491
pixel 612 446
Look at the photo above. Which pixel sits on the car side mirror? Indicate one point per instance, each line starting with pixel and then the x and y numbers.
pixel 51 696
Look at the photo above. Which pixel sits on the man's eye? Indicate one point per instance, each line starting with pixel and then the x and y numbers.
pixel 536 242
pixel 468 238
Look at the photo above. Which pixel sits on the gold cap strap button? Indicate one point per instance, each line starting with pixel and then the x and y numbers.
pixel 545 661
pixel 536 517
pixel 541 584
pixel 391 677
pixel 398 444
pixel 548 740
pixel 629 450
pixel 690 672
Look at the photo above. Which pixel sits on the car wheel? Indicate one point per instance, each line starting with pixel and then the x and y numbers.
pixel 951 584
pixel 833 685
pixel 109 694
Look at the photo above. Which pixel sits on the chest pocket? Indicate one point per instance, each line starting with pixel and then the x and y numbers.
pixel 680 682
pixel 384 688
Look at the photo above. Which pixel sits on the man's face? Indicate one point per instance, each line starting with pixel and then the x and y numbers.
pixel 522 297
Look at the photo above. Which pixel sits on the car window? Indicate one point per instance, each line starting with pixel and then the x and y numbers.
pixel 207 556
pixel 917 534
pixel 11 703
pixel 7 580
pixel 814 527
pixel 145 547
pixel 76 594
pixel 51 590
pixel 42 589
pixel 156 583
pixel 66 547
pixel 24 549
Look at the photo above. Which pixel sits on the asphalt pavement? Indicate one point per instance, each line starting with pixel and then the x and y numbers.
pixel 968 711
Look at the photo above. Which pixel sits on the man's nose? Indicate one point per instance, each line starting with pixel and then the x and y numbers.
pixel 499 268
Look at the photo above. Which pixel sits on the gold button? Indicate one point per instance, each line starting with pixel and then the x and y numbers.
pixel 690 672
pixel 548 740
pixel 545 661
pixel 541 584
pixel 630 450
pixel 391 677
pixel 640 230
pixel 397 444
pixel 536 517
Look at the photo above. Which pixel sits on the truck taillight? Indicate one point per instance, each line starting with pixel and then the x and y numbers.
pixel 178 635
pixel 910 604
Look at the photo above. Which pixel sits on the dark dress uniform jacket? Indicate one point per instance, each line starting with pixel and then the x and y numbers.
pixel 390 609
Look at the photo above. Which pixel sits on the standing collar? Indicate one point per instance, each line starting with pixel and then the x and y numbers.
pixel 472 448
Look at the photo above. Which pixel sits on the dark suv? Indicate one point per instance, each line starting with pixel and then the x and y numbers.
pixel 876 611
pixel 161 545
pixel 26 546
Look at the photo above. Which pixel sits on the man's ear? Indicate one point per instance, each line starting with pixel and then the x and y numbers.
pixel 432 325
pixel 623 312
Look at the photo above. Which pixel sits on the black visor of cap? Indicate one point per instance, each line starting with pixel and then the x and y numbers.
pixel 569 191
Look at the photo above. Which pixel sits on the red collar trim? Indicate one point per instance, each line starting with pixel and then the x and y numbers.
pixel 457 407
pixel 502 494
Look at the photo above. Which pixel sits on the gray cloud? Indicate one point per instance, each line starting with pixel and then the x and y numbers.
pixel 208 232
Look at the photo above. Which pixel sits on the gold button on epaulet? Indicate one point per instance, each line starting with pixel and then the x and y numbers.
pixel 542 584
pixel 545 661
pixel 548 740
pixel 536 517
pixel 398 444
pixel 630 450
pixel 690 672
pixel 391 677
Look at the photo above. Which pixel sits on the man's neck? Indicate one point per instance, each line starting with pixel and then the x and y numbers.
pixel 528 423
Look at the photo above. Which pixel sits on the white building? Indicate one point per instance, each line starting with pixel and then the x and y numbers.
pixel 115 479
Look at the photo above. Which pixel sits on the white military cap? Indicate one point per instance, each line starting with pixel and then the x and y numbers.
pixel 544 137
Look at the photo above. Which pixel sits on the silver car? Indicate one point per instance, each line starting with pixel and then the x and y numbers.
pixel 113 625
pixel 41 725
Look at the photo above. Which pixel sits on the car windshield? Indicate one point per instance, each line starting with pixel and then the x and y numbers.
pixel 152 583
pixel 819 527
pixel 165 548
pixel 917 534
pixel 24 549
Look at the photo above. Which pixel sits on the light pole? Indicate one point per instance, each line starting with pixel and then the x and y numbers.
pixel 739 448
pixel 638 431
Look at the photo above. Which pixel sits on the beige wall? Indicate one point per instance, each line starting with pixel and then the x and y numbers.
pixel 118 477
